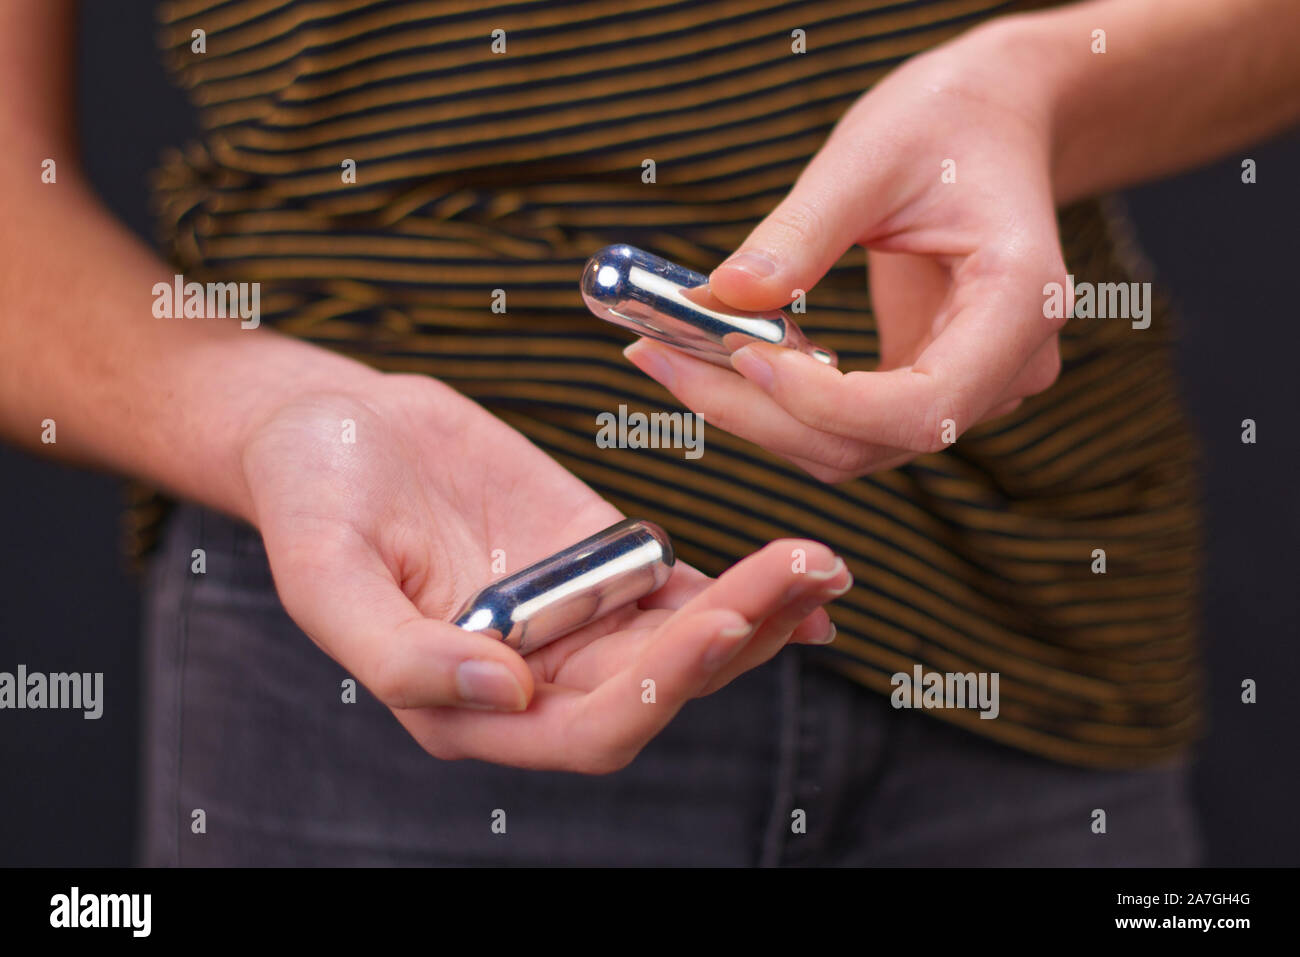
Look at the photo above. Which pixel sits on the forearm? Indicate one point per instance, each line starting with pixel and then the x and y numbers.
pixel 1180 83
pixel 170 401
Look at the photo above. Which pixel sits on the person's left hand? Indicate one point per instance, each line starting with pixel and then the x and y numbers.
pixel 957 273
pixel 375 542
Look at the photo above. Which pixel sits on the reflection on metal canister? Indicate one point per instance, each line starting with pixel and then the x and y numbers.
pixel 661 300
pixel 573 587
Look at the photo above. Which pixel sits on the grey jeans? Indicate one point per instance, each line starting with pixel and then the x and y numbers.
pixel 253 758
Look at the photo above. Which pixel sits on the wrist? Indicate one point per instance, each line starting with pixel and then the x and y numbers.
pixel 225 390
pixel 1020 63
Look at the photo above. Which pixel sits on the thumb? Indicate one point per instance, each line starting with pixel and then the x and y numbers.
pixel 790 250
pixel 346 599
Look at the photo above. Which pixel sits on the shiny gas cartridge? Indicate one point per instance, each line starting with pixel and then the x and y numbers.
pixel 573 587
pixel 662 300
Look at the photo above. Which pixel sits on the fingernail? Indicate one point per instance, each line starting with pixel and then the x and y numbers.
pixel 753 367
pixel 724 646
pixel 828 637
pixel 828 574
pixel 755 263
pixel 651 363
pixel 489 684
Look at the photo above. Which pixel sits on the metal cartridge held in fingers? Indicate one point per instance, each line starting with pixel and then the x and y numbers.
pixel 665 301
pixel 573 587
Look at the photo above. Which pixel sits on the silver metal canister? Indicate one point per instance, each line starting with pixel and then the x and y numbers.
pixel 662 300
pixel 573 587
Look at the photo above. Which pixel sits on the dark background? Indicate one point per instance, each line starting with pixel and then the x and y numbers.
pixel 1226 250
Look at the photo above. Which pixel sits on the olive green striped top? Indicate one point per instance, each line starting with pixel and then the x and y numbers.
pixel 496 146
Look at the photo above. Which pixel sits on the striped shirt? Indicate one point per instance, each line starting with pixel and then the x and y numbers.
pixel 496 146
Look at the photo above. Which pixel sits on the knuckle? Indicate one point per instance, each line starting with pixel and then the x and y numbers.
pixel 927 435
pixel 1001 258
pixel 1044 372
pixel 842 455
pixel 390 681
pixel 1054 323
pixel 827 474
pixel 605 760
pixel 443 750
pixel 1006 408
pixel 598 748
pixel 1055 272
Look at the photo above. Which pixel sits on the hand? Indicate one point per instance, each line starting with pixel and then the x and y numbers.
pixel 375 544
pixel 957 273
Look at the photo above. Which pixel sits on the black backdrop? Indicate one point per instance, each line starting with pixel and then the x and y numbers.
pixel 1227 250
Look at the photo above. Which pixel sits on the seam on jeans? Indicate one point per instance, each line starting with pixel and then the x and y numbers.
pixel 786 761
pixel 895 728
pixel 187 587
pixel 889 746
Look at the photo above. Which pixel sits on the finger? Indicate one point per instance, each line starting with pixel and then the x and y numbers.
pixel 826 211
pixel 802 620
pixel 683 584
pixel 736 405
pixel 764 582
pixel 892 459
pixel 998 411
pixel 815 628
pixel 780 590
pixel 675 666
pixel 770 592
pixel 343 596
pixel 603 730
pixel 810 580
pixel 922 407
pixel 1038 374
pixel 802 617
pixel 908 292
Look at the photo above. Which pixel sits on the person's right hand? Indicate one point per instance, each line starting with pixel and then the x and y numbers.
pixel 375 543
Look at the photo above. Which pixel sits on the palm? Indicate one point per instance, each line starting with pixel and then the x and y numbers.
pixel 375 542
pixel 444 494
